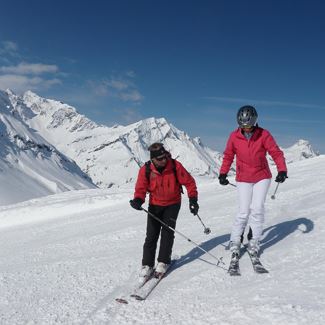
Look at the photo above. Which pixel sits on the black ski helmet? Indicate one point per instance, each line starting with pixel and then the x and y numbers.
pixel 247 116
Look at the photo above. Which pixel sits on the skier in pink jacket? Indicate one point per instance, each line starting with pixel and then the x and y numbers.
pixel 250 143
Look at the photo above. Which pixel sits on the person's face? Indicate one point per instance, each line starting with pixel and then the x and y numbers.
pixel 247 129
pixel 160 161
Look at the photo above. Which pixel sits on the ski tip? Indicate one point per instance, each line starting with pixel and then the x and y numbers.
pixel 121 301
pixel 137 297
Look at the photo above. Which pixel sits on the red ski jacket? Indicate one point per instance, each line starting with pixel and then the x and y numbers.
pixel 164 189
pixel 251 162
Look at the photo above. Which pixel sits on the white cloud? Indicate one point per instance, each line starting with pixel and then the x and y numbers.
pixel 19 83
pixel 19 75
pixel 10 46
pixel 122 88
pixel 130 74
pixel 131 96
pixel 99 89
pixel 24 68
pixel 8 51
pixel 118 84
pixel 128 115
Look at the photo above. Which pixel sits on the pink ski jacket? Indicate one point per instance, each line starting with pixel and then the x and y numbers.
pixel 251 162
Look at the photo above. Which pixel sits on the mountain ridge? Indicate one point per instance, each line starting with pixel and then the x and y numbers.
pixel 111 156
pixel 29 165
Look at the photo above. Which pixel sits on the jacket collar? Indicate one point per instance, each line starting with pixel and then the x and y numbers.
pixel 256 133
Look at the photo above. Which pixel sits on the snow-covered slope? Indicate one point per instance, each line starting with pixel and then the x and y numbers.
pixel 65 258
pixel 111 155
pixel 29 166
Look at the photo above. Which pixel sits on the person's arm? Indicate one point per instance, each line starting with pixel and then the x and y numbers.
pixel 141 186
pixel 275 152
pixel 186 179
pixel 228 157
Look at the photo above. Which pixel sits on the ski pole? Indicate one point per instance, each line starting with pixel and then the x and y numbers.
pixel 207 230
pixel 188 239
pixel 273 196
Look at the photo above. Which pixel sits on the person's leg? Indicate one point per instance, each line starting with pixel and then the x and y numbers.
pixel 245 193
pixel 169 216
pixel 152 235
pixel 256 220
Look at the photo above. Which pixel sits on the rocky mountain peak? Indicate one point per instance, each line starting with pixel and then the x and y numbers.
pixel 113 155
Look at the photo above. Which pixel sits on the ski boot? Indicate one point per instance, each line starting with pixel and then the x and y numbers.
pixel 234 262
pixel 253 248
pixel 161 269
pixel 145 274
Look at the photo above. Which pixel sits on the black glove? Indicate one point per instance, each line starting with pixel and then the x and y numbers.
pixel 136 203
pixel 194 207
pixel 281 177
pixel 223 179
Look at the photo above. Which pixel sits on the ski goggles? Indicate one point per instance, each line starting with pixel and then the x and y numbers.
pixel 247 127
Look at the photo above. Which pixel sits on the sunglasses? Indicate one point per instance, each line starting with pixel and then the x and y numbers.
pixel 161 158
pixel 247 127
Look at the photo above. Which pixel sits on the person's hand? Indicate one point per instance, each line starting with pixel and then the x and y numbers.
pixel 281 177
pixel 194 207
pixel 136 203
pixel 223 179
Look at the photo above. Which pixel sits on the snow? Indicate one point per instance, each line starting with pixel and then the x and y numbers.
pixel 30 166
pixel 66 257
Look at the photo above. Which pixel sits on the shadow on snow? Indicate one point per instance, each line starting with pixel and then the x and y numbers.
pixel 196 253
pixel 273 235
pixel 278 232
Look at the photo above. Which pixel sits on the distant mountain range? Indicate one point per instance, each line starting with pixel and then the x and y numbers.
pixel 59 149
pixel 110 155
pixel 29 165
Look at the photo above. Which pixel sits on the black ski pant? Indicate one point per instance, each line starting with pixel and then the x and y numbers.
pixel 167 214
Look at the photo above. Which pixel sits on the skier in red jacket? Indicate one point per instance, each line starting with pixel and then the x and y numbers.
pixel 250 143
pixel 163 182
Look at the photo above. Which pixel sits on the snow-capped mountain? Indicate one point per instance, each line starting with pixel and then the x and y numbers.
pixel 300 151
pixel 30 166
pixel 111 155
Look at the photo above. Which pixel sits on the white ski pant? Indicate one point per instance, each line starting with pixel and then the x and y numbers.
pixel 251 198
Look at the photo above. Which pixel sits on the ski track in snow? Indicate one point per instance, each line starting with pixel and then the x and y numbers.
pixel 65 258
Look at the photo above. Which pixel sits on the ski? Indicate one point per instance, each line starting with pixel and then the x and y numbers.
pixel 144 292
pixel 257 265
pixel 123 300
pixel 234 269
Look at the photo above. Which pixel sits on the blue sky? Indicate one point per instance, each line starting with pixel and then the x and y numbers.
pixel 193 62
